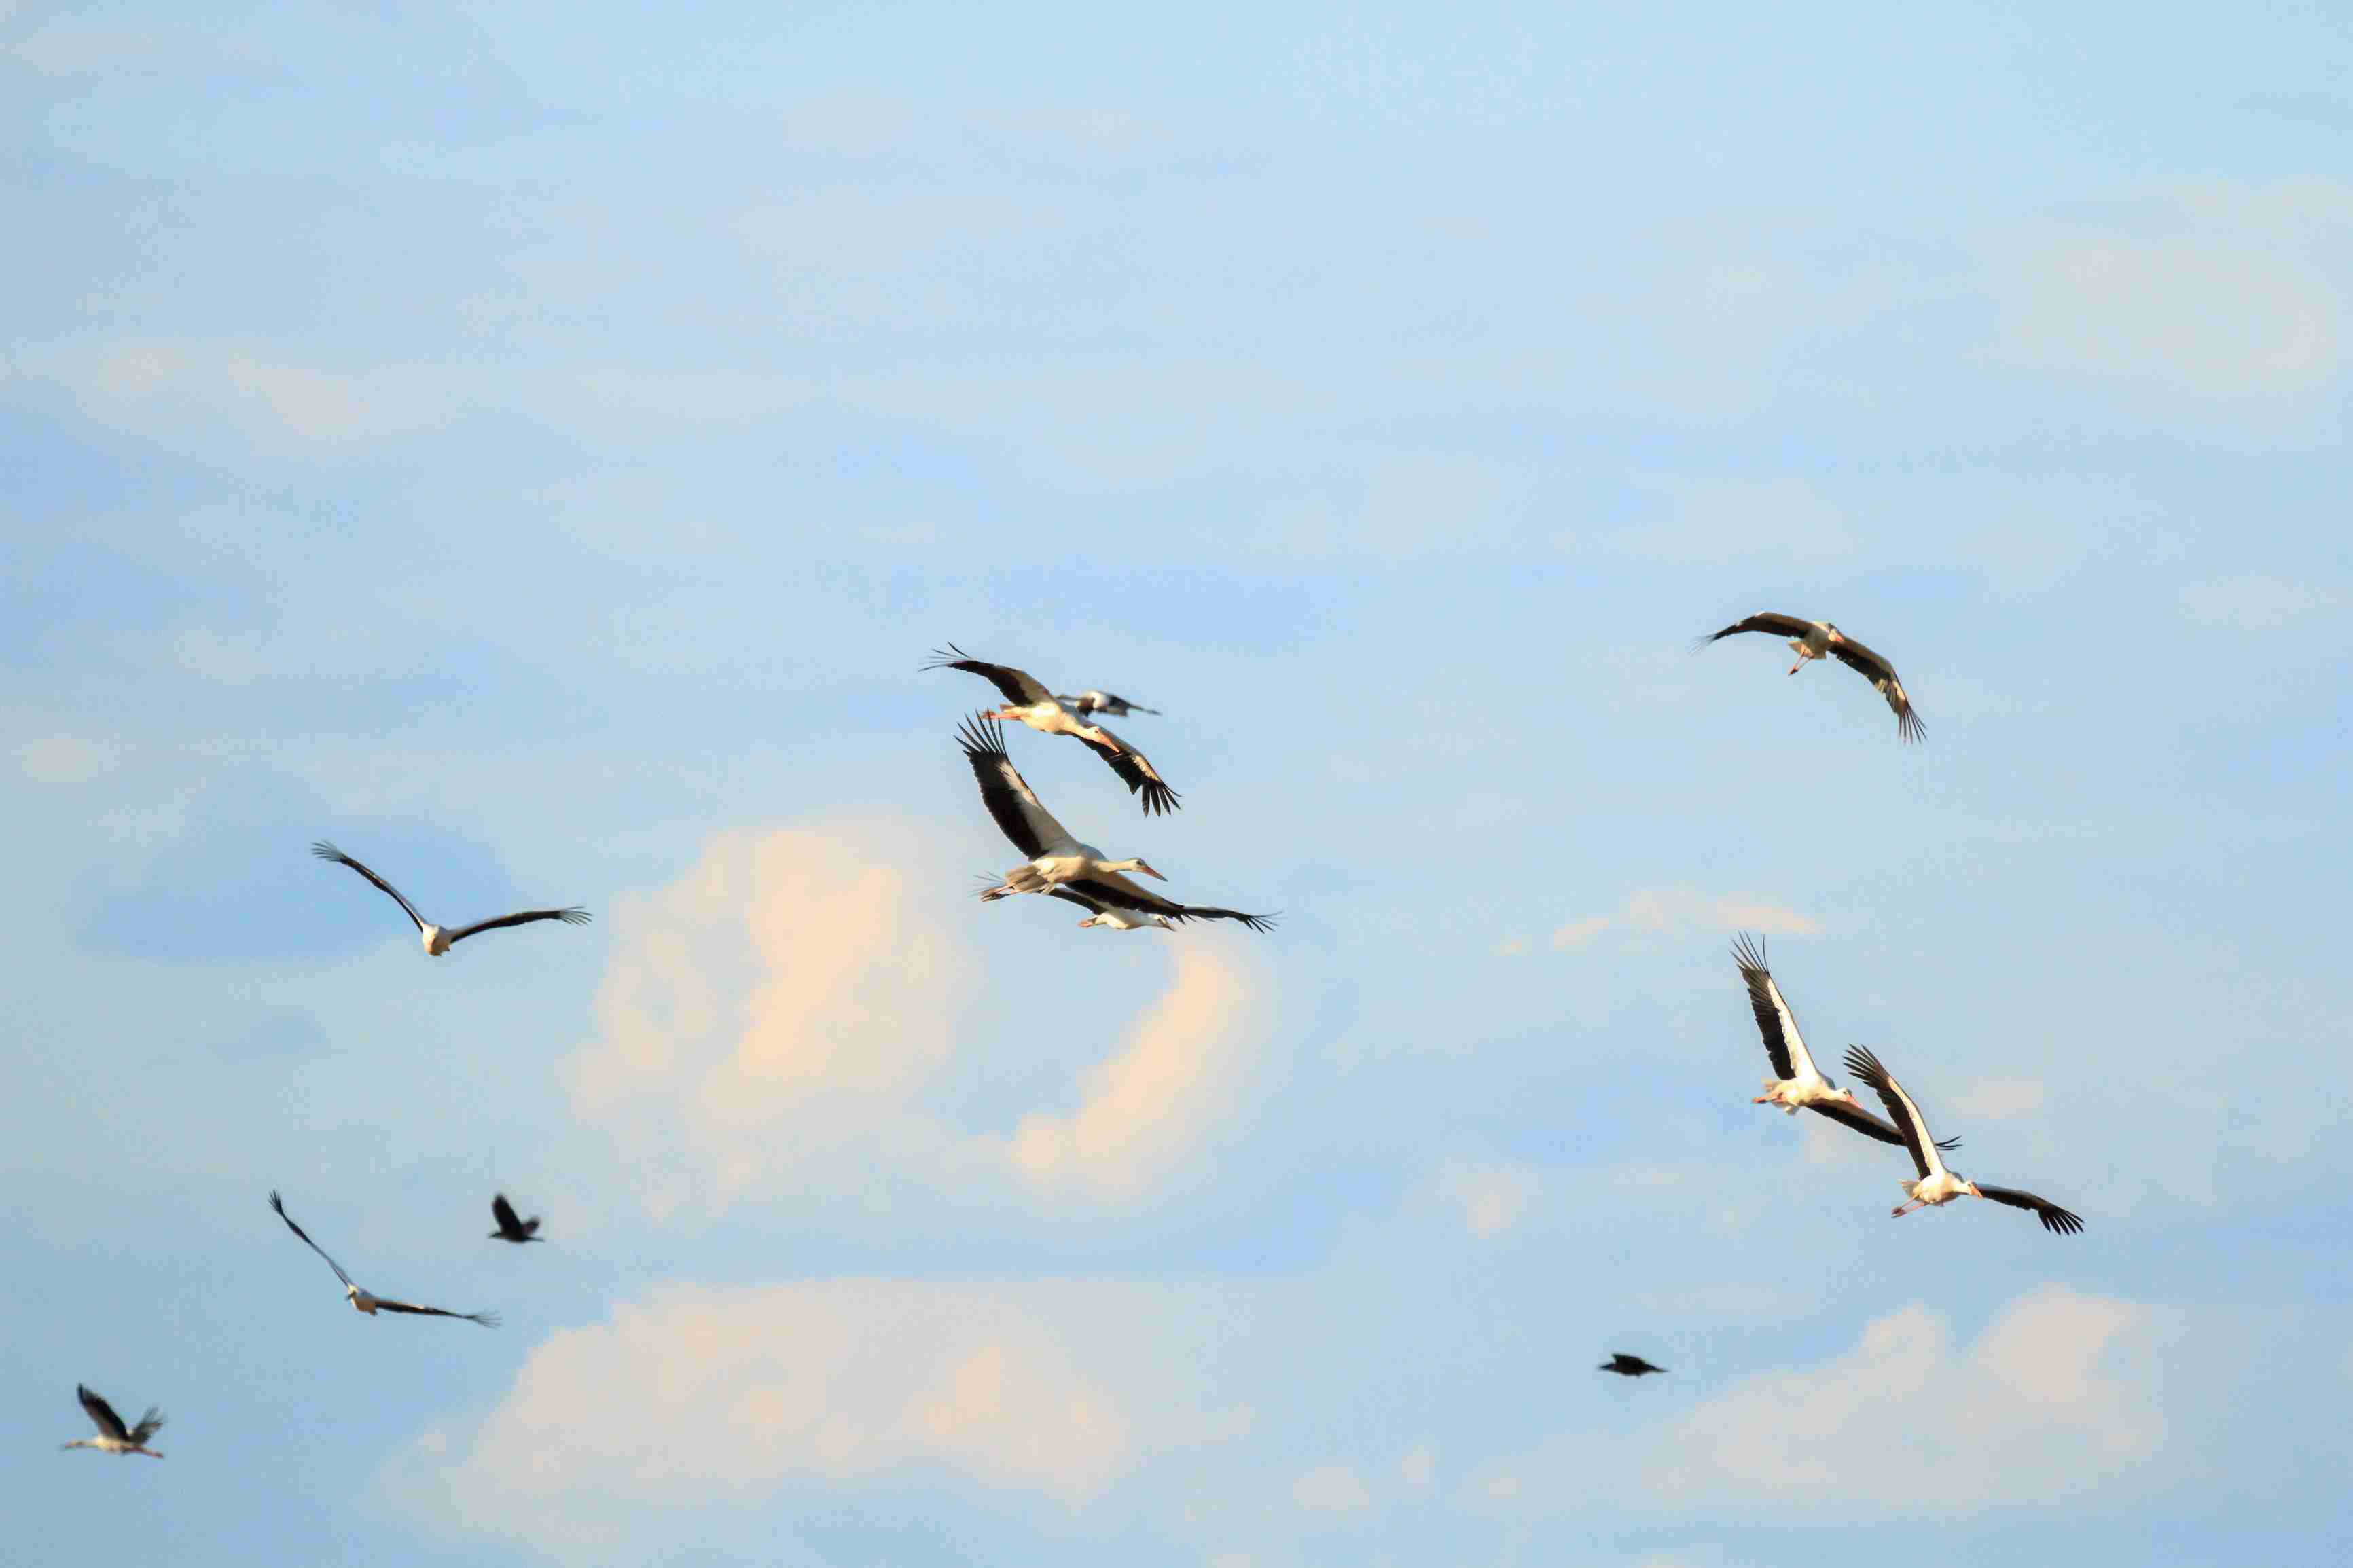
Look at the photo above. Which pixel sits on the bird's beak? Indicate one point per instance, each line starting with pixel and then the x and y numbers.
pixel 1150 872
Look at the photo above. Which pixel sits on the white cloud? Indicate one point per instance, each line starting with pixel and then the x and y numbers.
pixel 2216 291
pixel 1418 1468
pixel 1330 1489
pixel 694 1397
pixel 1671 911
pixel 1172 1078
pixel 2001 1099
pixel 1713 521
pixel 248 385
pixel 2252 604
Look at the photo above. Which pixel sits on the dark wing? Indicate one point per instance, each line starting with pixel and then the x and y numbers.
pixel 1900 1108
pixel 1629 1365
pixel 2055 1219
pixel 101 1412
pixel 1870 1126
pixel 1020 816
pixel 314 1246
pixel 1774 1019
pixel 1779 625
pixel 487 1320
pixel 1017 685
pixel 326 851
pixel 1111 888
pixel 571 916
pixel 504 1212
pixel 1063 891
pixel 1136 770
pixel 149 1425
pixel 1881 675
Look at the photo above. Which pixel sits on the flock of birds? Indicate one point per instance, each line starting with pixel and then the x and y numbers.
pixel 1061 866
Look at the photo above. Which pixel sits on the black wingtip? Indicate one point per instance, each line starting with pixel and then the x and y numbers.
pixel 943 657
pixel 1749 954
pixel 324 851
pixel 1865 1065
pixel 981 740
pixel 575 916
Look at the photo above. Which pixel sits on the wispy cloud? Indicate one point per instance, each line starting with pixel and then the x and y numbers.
pixel 2253 603
pixel 1671 911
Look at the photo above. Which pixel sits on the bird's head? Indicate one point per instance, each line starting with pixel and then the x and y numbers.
pixel 1847 1095
pixel 1163 923
pixel 350 1293
pixel 1094 920
pixel 1836 636
pixel 1135 863
pixel 1969 1187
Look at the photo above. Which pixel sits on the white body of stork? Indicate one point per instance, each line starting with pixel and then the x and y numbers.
pixel 438 939
pixel 1937 1186
pixel 1102 914
pixel 1820 639
pixel 1028 701
pixel 113 1437
pixel 1092 702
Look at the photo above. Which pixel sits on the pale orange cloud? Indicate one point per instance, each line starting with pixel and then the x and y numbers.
pixel 1670 911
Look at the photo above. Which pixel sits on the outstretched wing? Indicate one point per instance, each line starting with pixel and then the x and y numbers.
pixel 1019 814
pixel 149 1425
pixel 1111 888
pixel 1900 1108
pixel 2056 1220
pixel 504 1212
pixel 1783 1044
pixel 101 1412
pixel 281 1207
pixel 487 1320
pixel 1870 1126
pixel 1778 625
pixel 1017 685
pixel 326 851
pixel 1135 769
pixel 571 916
pixel 1881 675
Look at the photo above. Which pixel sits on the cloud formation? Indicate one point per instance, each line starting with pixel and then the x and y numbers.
pixel 1671 911
pixel 692 1397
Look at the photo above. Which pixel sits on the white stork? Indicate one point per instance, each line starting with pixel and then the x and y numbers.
pixel 1057 859
pixel 113 1437
pixel 365 1301
pixel 1801 1083
pixel 1938 1186
pixel 1103 914
pixel 1814 639
pixel 1027 700
pixel 438 939
pixel 1091 701
pixel 510 1226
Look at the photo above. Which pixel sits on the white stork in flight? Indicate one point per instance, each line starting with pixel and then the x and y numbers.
pixel 1090 701
pixel 511 1227
pixel 1103 914
pixel 364 1301
pixel 1027 700
pixel 1057 859
pixel 113 1437
pixel 1938 1186
pixel 1814 639
pixel 1801 1084
pixel 438 939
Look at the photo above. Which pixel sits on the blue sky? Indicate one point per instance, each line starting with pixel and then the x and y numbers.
pixel 537 450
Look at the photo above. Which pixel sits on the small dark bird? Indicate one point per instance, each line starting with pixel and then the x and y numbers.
pixel 1626 1365
pixel 510 1227
pixel 113 1437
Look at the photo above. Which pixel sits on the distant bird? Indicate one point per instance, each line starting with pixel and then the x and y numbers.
pixel 1801 1084
pixel 1814 639
pixel 1102 914
pixel 510 1227
pixel 1057 859
pixel 372 1304
pixel 1087 702
pixel 113 1437
pixel 437 938
pixel 1938 1186
pixel 1626 1365
pixel 1027 700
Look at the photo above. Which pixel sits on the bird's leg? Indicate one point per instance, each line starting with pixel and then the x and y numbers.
pixel 1907 1208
